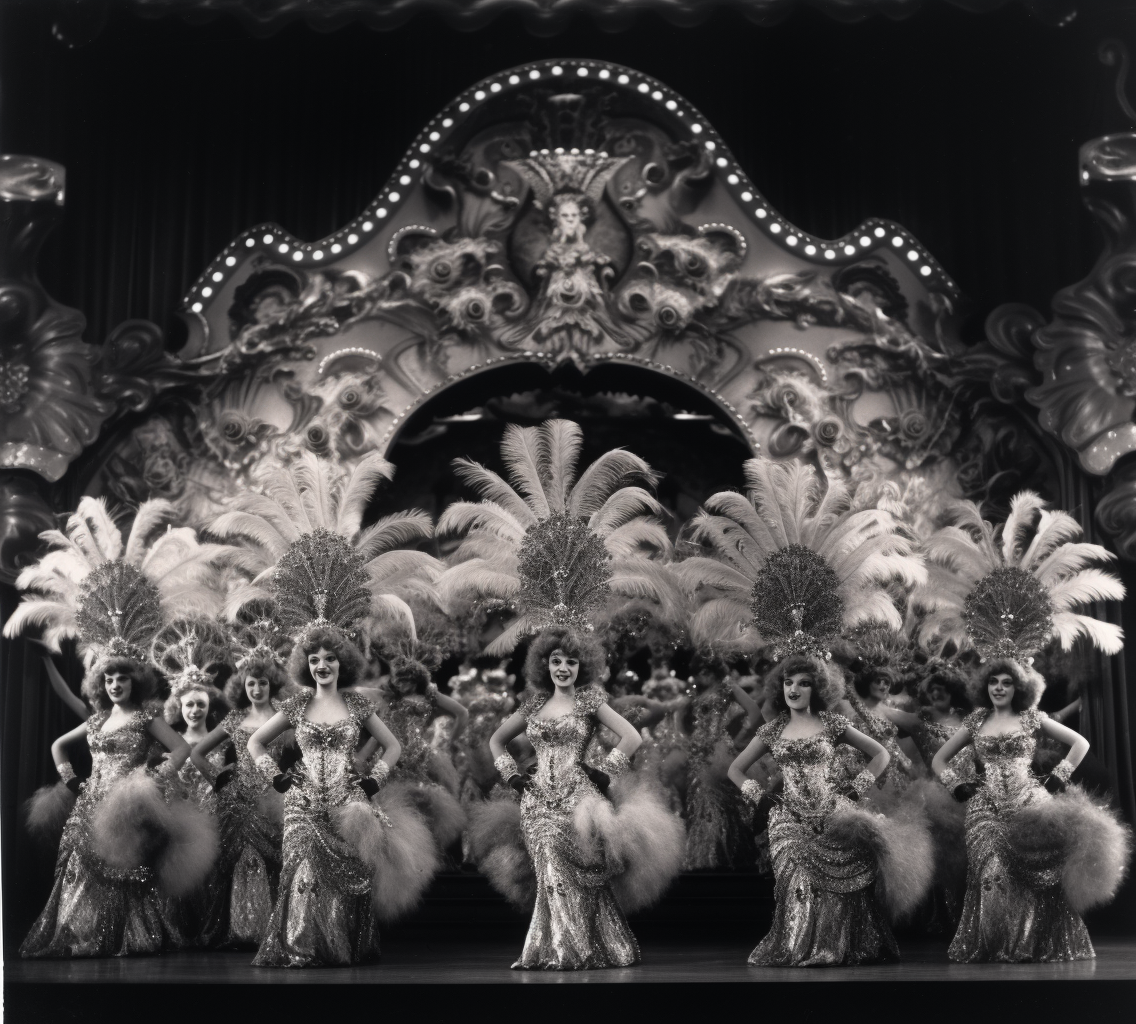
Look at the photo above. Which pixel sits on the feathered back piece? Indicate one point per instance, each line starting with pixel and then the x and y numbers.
pixel 551 545
pixel 320 583
pixel 791 565
pixel 1008 590
pixel 307 529
pixel 258 637
pixel 189 651
pixel 113 593
pixel 119 612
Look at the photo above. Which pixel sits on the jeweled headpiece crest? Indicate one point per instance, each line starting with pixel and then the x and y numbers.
pixel 321 583
pixel 118 613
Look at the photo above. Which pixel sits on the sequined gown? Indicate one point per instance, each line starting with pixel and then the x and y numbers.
pixel 251 845
pixel 826 910
pixel 1013 911
pixel 190 916
pixel 719 823
pixel 931 735
pixel 323 916
pixel 409 718
pixel 885 732
pixel 576 923
pixel 93 909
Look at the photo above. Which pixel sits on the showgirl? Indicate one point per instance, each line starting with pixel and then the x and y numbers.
pixel 795 566
pixel 251 811
pixel 594 845
pixel 1040 854
pixel 130 842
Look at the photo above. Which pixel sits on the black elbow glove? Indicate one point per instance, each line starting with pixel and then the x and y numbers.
pixel 601 780
pixel 74 784
pixel 964 791
pixel 224 777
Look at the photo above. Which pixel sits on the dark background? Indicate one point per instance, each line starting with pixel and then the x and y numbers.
pixel 176 137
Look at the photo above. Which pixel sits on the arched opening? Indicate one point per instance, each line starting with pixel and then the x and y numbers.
pixel 679 430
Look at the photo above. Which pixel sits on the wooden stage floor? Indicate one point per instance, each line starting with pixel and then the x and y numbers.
pixel 467 980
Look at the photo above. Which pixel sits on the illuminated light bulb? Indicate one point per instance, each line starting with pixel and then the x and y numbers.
pixel 656 95
pixel 747 197
pixel 829 254
pixel 250 242
pixel 368 225
pixel 218 276
pixel 394 197
pixel 337 248
pixel 897 241
pixel 644 88
pixel 197 307
pixel 297 255
pixel 558 70
pixel 791 240
pixel 317 255
pixel 424 148
pixel 352 238
pixel 495 87
pixel 732 179
pixel 849 250
pixel 463 107
pixel 925 271
pixel 762 212
pixel 282 247
pixel 811 249
pixel 534 74
pixel 435 136
pixel 207 291
pixel 414 164
pixel 514 79
pixel 230 261
pixel 623 79
pixel 404 180
pixel 912 255
pixel 381 212
pixel 775 228
pixel 696 128
pixel 479 95
pixel 879 232
pixel 582 72
pixel 865 240
pixel 267 239
pixel 671 105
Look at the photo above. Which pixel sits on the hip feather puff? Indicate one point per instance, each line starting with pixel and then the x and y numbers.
pixel 946 819
pixel 1093 843
pixel 47 811
pixel 133 826
pixel 638 838
pixel 901 845
pixel 443 814
pixel 497 847
pixel 401 855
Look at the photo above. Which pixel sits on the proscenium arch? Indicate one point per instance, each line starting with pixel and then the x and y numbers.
pixel 684 270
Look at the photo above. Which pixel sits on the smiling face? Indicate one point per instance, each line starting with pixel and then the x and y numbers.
pixel 798 690
pixel 879 688
pixel 1000 686
pixel 194 707
pixel 258 690
pixel 563 668
pixel 324 667
pixel 118 687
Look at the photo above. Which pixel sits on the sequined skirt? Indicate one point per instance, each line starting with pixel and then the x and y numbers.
pixel 248 878
pixel 95 911
pixel 1014 910
pixel 826 912
pixel 577 923
pixel 323 915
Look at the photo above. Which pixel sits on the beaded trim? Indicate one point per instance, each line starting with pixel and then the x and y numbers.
pixel 752 791
pixel 1063 771
pixel 950 778
pixel 66 772
pixel 268 767
pixel 379 771
pixel 506 766
pixel 863 782
pixel 166 769
pixel 616 764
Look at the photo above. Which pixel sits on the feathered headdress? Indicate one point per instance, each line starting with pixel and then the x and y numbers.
pixel 313 557
pixel 794 563
pixel 112 593
pixel 1008 590
pixel 189 651
pixel 258 637
pixel 553 546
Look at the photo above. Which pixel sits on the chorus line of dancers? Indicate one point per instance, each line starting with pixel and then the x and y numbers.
pixel 273 766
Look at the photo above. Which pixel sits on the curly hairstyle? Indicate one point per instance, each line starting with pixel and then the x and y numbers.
pixel 572 643
pixel 1028 683
pixel 258 668
pixel 407 676
pixel 143 678
pixel 952 679
pixel 868 674
pixel 171 710
pixel 351 663
pixel 828 681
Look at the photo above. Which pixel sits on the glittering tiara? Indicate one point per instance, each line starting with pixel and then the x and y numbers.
pixel 119 612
